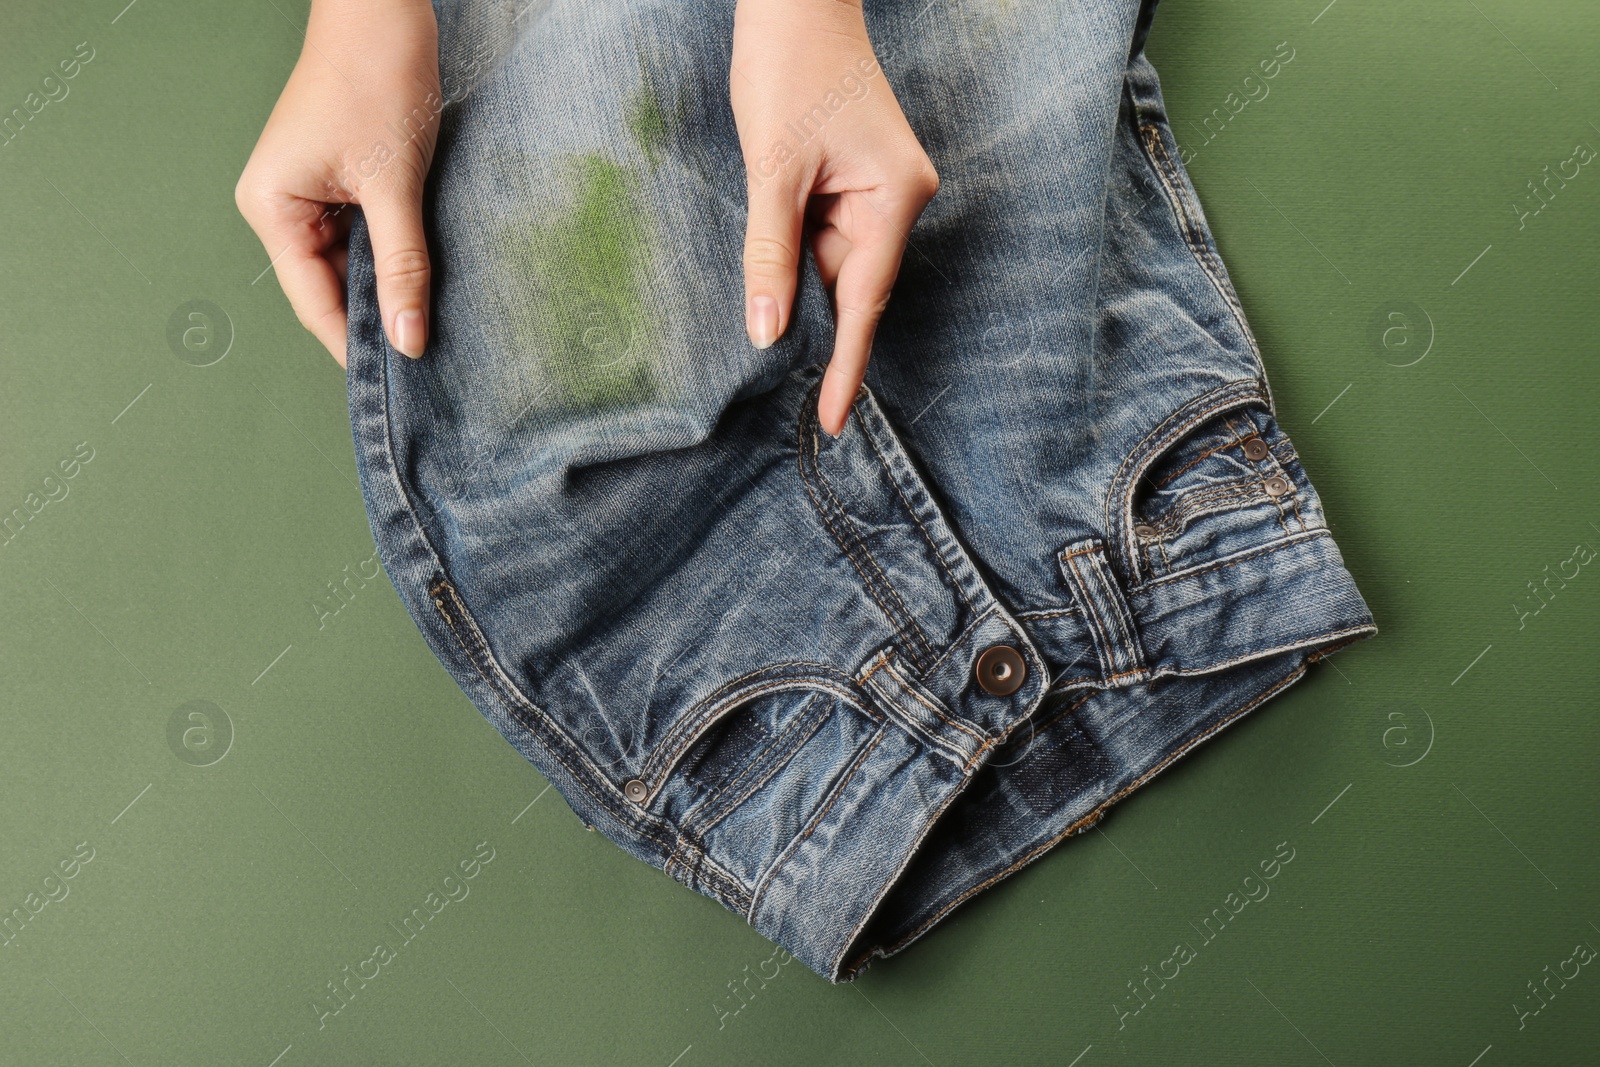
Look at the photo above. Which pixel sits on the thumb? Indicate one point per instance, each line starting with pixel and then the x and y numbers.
pixel 400 258
pixel 771 258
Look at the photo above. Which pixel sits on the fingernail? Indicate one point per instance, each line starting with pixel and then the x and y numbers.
pixel 763 321
pixel 823 422
pixel 410 335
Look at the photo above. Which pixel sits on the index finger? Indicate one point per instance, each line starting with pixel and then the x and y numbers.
pixel 866 276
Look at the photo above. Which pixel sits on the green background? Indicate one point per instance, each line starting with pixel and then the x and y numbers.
pixel 1437 784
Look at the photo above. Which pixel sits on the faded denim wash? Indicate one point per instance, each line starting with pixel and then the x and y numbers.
pixel 742 649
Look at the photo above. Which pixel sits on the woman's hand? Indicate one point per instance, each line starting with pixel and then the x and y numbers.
pixel 823 140
pixel 356 124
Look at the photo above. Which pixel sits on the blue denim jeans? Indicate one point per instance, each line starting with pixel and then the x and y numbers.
pixel 840 685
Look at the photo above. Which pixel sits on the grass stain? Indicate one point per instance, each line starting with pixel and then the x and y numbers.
pixel 589 324
pixel 647 122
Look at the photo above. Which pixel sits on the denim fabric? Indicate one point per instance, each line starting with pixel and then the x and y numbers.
pixel 743 649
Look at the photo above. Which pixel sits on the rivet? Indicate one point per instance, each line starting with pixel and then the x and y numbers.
pixel 635 790
pixel 1255 449
pixel 1277 486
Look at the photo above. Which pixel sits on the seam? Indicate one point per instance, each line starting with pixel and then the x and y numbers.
pixel 681 736
pixel 927 734
pixel 966 768
pixel 517 708
pixel 1159 440
pixel 1067 710
pixel 1119 613
pixel 1292 541
pixel 917 641
pixel 928 538
pixel 1049 613
pixel 912 630
pixel 1082 823
pixel 1201 458
pixel 770 739
pixel 1193 234
pixel 1351 635
pixel 1206 502
pixel 957 640
pixel 920 700
pixel 1279 463
pixel 1115 632
pixel 1103 648
pixel 513 708
pixel 658 766
pixel 702 868
pixel 803 732
pixel 1067 683
pixel 895 620
pixel 1168 433
pixel 1277 504
pixel 793 846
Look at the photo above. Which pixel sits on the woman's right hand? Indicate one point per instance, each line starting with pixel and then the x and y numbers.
pixel 356 124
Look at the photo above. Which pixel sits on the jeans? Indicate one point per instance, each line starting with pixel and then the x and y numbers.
pixel 839 685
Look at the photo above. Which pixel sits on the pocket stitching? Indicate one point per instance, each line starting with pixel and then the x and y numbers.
pixel 806 723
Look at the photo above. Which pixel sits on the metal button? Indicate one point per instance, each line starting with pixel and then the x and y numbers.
pixel 1000 670
pixel 1142 530
pixel 635 790
pixel 1277 486
pixel 1255 449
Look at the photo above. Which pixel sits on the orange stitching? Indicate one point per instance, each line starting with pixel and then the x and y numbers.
pixel 1202 457
pixel 1119 611
pixel 1195 505
pixel 1084 822
pixel 660 764
pixel 700 868
pixel 938 555
pixel 772 739
pixel 1276 502
pixel 918 698
pixel 707 708
pixel 793 846
pixel 1155 443
pixel 1104 642
pixel 924 733
pixel 866 580
pixel 877 664
pixel 801 736
pixel 1163 437
pixel 914 631
pixel 1052 720
pixel 956 641
pixel 1292 541
pixel 628 818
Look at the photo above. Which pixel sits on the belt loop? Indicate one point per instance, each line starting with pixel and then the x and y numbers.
pixel 1111 624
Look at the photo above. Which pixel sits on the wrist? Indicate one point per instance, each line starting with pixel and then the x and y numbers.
pixel 801 13
pixel 361 23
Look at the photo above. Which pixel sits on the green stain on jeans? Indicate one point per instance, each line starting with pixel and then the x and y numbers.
pixel 587 322
pixel 647 122
pixel 655 115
